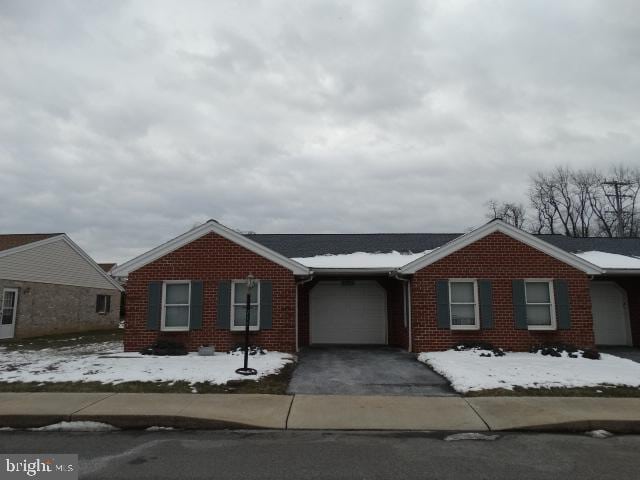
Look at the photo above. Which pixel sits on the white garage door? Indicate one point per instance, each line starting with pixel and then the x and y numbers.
pixel 610 317
pixel 348 313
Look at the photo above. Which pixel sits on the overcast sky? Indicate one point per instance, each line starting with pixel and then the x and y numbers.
pixel 126 123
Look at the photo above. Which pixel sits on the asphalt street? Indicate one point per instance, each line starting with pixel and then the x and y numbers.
pixel 309 455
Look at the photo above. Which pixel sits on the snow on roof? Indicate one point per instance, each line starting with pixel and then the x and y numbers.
pixel 610 260
pixel 361 260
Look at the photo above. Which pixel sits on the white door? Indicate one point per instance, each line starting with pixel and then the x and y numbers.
pixel 8 309
pixel 349 312
pixel 610 314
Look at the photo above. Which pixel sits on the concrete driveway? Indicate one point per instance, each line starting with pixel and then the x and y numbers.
pixel 364 371
pixel 631 353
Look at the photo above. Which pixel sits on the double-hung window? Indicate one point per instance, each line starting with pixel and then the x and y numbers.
pixel 239 306
pixel 175 305
pixel 540 306
pixel 463 305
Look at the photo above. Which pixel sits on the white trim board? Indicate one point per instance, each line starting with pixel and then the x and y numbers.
pixel 513 232
pixel 210 226
pixel 65 238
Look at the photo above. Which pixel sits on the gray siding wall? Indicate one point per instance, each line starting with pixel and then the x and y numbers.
pixel 55 262
pixel 46 309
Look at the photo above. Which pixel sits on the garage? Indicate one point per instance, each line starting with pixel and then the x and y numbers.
pixel 348 312
pixel 610 314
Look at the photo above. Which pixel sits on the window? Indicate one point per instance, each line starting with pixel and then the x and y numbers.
pixel 175 305
pixel 463 304
pixel 540 306
pixel 103 304
pixel 239 306
pixel 8 306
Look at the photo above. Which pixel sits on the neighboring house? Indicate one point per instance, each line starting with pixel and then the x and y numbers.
pixel 107 267
pixel 50 285
pixel 420 292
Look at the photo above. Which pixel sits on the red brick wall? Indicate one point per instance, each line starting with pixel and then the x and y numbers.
pixel 211 259
pixel 632 286
pixel 501 259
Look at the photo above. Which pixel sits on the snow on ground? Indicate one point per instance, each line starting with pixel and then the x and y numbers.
pixel 468 371
pixel 107 363
pixel 76 426
pixel 609 260
pixel 361 260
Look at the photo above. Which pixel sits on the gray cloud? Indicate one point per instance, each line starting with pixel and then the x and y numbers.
pixel 125 125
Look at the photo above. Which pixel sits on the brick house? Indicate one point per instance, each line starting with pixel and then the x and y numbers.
pixel 420 292
pixel 49 285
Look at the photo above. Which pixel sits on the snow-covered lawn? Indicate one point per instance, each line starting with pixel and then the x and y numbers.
pixel 106 362
pixel 468 371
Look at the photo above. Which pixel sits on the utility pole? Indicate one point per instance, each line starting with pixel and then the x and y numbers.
pixel 619 208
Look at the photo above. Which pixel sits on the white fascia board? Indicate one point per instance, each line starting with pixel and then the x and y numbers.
pixel 65 238
pixel 621 271
pixel 29 246
pixel 509 230
pixel 209 227
pixel 354 271
pixel 92 262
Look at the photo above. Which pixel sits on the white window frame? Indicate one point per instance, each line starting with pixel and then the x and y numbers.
pixel 552 304
pixel 233 325
pixel 164 305
pixel 104 310
pixel 476 305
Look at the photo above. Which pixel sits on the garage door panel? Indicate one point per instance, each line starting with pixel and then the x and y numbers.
pixel 353 313
pixel 610 316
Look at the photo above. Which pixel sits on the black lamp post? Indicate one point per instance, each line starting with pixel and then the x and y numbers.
pixel 251 282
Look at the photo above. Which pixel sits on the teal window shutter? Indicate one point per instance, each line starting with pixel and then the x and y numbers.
pixel 154 305
pixel 519 304
pixel 195 305
pixel 486 304
pixel 266 307
pixel 563 312
pixel 442 300
pixel 224 305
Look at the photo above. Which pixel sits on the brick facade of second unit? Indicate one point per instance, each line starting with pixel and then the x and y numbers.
pixel 211 259
pixel 499 259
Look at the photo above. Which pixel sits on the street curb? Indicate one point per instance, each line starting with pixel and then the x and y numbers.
pixel 138 422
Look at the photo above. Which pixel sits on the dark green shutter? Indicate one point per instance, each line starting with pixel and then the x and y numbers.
pixel 224 305
pixel 442 299
pixel 266 308
pixel 154 305
pixel 486 303
pixel 195 304
pixel 563 312
pixel 519 305
pixel 108 307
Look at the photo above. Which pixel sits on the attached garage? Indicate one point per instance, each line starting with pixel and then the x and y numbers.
pixel 610 314
pixel 349 312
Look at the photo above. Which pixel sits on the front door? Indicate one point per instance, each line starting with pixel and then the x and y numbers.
pixel 8 310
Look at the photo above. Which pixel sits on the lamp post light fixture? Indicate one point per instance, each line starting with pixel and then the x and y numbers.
pixel 251 282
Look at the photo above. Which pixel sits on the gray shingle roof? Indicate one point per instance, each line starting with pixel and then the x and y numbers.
pixel 309 245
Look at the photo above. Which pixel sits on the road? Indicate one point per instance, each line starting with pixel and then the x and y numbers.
pixel 309 455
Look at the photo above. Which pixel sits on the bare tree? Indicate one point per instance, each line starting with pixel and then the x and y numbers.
pixel 512 213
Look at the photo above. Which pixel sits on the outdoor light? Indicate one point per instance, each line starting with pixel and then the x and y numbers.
pixel 251 282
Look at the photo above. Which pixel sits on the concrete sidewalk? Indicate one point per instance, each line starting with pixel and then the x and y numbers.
pixel 324 412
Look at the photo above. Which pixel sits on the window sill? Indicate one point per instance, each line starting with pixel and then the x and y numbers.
pixel 242 329
pixel 542 328
pixel 175 329
pixel 464 327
